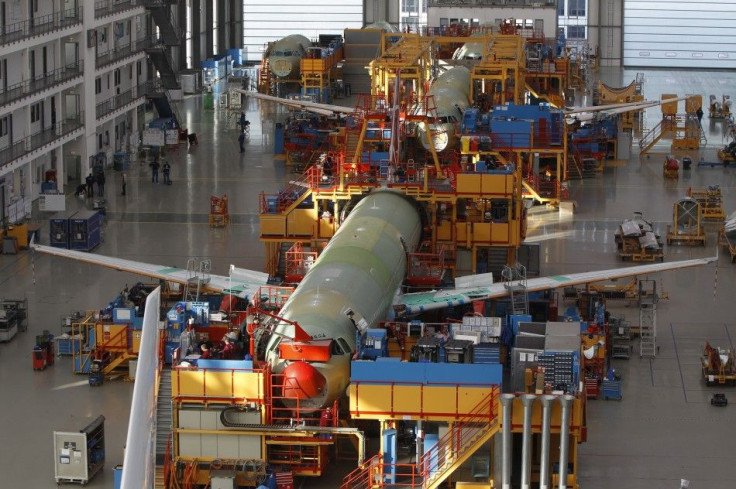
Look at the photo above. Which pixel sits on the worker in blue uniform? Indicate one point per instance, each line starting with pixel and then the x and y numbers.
pixel 167 171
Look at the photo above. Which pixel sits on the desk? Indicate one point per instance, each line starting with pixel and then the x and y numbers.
pixel 20 233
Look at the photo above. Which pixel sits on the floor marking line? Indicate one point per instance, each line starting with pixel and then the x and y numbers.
pixel 728 334
pixel 679 366
pixel 651 371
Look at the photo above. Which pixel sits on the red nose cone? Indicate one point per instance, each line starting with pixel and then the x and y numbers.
pixel 302 381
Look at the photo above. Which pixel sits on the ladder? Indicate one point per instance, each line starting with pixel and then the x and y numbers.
pixel 198 274
pixel 647 319
pixel 703 137
pixel 515 283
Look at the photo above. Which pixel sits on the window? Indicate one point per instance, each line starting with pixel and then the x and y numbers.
pixel 576 32
pixel 98 85
pixel 116 77
pixel 130 72
pixel 139 68
pixel 36 112
pixel 410 6
pixel 4 126
pixel 99 141
pixel 576 8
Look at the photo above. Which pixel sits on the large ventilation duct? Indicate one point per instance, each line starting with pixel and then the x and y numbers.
pixel 507 402
pixel 526 448
pixel 547 401
pixel 566 402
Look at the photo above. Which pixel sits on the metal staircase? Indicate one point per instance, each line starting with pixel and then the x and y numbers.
pixel 159 55
pixel 157 94
pixel 461 441
pixel 652 137
pixel 169 35
pixel 198 274
pixel 164 424
pixel 515 283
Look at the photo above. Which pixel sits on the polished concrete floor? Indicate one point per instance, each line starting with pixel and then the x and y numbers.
pixel 662 431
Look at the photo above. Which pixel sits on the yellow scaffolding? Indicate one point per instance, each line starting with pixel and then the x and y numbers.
pixel 318 72
pixel 412 56
pixel 500 73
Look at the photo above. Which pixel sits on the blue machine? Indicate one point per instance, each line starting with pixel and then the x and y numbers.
pixel 470 120
pixel 278 139
pixel 176 322
pixel 216 68
pixel 512 125
pixel 85 230
pixel 236 55
pixel 59 229
pixel 373 344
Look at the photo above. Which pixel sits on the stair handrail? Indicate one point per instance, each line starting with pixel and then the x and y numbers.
pixel 296 189
pixel 362 474
pixel 651 136
pixel 172 20
pixel 167 459
pixel 483 414
pixel 105 346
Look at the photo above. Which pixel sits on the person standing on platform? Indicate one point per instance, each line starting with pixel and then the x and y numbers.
pixel 154 169
pixel 241 141
pixel 90 181
pixel 167 171
pixel 100 184
pixel 243 122
pixel 699 114
pixel 123 182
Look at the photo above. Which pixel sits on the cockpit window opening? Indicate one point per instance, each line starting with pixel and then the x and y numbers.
pixel 344 345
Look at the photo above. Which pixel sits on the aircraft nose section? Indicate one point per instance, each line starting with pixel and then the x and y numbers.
pixel 302 381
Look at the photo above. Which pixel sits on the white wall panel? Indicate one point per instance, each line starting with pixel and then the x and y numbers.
pixel 679 33
pixel 265 21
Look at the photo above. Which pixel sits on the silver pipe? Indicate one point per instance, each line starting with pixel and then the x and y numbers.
pixel 526 448
pixel 507 401
pixel 419 440
pixel 566 402
pixel 546 420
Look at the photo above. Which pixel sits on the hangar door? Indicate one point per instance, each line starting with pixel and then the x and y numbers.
pixel 270 20
pixel 679 33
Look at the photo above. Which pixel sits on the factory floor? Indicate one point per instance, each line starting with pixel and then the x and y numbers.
pixel 663 430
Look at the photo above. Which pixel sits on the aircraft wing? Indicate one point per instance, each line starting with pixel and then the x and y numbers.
pixel 418 302
pixel 585 114
pixel 140 455
pixel 622 105
pixel 321 109
pixel 602 114
pixel 241 282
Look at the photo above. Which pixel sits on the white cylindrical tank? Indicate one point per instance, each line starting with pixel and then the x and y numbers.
pixel 381 24
pixel 351 285
pixel 286 55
